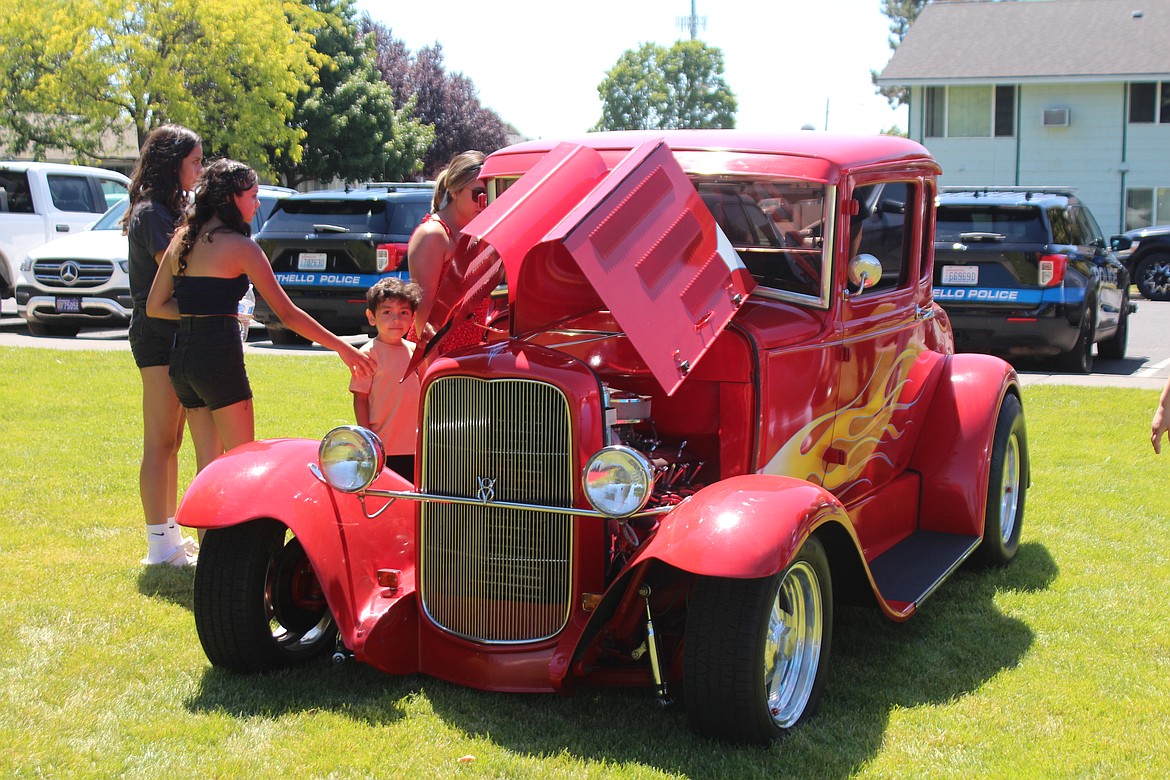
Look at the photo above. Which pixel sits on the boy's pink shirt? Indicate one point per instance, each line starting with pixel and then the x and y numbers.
pixel 393 404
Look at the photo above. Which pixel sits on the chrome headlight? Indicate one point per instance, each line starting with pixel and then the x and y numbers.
pixel 351 458
pixel 618 481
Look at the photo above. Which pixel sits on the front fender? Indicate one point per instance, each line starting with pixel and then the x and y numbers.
pixel 747 527
pixel 953 454
pixel 271 479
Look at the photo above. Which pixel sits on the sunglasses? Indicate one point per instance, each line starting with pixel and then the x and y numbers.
pixel 476 192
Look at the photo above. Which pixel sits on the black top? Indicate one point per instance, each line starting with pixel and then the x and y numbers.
pixel 210 294
pixel 151 226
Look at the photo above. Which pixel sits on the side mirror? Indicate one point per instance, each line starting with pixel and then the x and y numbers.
pixel 865 271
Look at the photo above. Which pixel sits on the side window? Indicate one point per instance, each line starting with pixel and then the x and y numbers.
pixel 1085 230
pixel 15 197
pixel 72 193
pixel 112 191
pixel 1062 226
pixel 776 227
pixel 882 228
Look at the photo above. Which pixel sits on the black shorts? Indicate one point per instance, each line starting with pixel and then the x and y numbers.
pixel 151 339
pixel 207 364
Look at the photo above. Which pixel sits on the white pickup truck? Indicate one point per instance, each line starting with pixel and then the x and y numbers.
pixel 42 201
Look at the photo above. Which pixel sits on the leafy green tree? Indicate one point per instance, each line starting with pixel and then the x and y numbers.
pixel 75 69
pixel 653 87
pixel 901 14
pixel 353 131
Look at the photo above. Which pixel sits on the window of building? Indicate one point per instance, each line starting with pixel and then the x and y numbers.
pixel 1149 102
pixel 1145 206
pixel 970 112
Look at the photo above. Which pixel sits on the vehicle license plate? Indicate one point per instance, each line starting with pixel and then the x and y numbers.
pixel 311 261
pixel 67 305
pixel 960 274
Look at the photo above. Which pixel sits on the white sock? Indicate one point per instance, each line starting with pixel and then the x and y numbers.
pixel 174 532
pixel 158 540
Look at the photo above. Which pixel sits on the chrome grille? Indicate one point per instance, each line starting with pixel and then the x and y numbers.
pixel 488 573
pixel 77 273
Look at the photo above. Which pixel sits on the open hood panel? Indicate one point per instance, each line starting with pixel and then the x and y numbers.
pixel 638 239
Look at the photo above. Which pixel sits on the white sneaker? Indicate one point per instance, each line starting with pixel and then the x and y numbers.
pixel 176 556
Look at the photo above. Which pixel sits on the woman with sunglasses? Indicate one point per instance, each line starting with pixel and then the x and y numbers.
pixel 456 202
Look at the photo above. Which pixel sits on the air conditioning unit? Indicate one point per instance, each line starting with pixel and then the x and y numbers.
pixel 1056 117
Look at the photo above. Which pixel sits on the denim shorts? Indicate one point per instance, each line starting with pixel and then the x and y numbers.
pixel 207 363
pixel 151 339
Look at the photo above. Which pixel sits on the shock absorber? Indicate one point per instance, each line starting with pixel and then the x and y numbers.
pixel 652 646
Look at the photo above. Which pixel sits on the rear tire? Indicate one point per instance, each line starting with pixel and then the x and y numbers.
pixel 258 603
pixel 756 651
pixel 285 338
pixel 1007 486
pixel 1079 360
pixel 1152 276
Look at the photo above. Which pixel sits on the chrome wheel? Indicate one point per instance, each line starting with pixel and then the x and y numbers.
pixel 1009 495
pixel 792 650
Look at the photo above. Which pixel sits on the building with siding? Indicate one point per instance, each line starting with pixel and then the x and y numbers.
pixel 1046 92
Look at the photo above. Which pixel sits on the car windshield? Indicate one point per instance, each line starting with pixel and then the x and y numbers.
pixel 1011 224
pixel 111 219
pixel 775 226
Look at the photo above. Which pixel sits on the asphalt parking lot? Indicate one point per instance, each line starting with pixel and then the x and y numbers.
pixel 1147 364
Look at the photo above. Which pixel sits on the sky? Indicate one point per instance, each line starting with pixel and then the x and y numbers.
pixel 537 63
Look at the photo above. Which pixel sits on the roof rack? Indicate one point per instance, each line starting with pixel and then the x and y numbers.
pixel 1029 191
pixel 392 186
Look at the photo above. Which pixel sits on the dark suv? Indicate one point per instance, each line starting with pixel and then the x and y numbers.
pixel 1146 253
pixel 1027 272
pixel 327 248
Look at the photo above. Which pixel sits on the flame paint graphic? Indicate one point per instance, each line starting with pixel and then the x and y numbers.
pixel 854 429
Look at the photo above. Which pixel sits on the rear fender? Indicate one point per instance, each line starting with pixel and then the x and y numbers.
pixel 272 479
pixel 953 454
pixel 747 527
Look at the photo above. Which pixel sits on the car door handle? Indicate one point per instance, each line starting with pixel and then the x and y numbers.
pixel 62 228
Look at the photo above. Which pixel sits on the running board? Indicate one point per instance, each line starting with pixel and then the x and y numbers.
pixel 911 570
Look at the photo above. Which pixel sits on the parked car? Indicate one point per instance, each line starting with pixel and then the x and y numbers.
pixel 328 247
pixel 1025 271
pixel 83 280
pixel 670 461
pixel 41 201
pixel 1146 253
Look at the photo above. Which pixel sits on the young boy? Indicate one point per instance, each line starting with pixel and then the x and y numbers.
pixel 387 403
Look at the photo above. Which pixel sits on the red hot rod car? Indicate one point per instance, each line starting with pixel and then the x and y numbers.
pixel 715 399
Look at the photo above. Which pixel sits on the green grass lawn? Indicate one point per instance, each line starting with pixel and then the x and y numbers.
pixel 1056 666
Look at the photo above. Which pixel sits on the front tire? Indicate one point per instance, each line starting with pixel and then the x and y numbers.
pixel 1113 348
pixel 1153 277
pixel 258 603
pixel 1007 486
pixel 756 651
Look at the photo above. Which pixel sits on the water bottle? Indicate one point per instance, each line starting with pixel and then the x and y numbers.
pixel 244 311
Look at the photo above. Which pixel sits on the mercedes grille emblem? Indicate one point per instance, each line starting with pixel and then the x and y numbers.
pixel 70 272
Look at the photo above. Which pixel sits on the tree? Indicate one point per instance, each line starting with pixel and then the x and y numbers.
pixel 901 14
pixel 449 102
pixel 353 131
pixel 658 88
pixel 75 69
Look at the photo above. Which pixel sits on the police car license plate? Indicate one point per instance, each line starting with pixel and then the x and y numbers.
pixel 311 261
pixel 67 305
pixel 960 274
